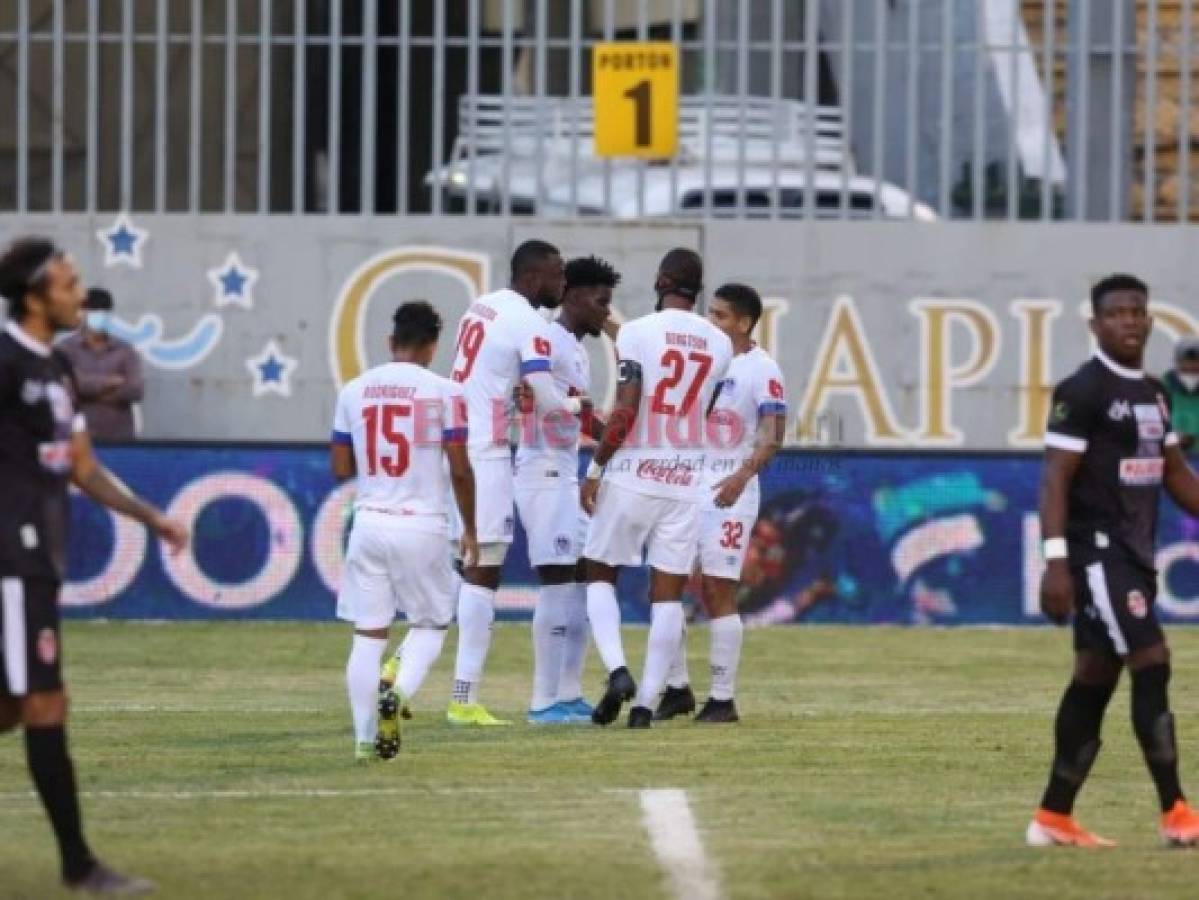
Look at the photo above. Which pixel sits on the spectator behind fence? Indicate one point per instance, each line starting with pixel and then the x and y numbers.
pixel 1183 384
pixel 108 371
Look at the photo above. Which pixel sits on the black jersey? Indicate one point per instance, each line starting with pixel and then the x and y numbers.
pixel 37 420
pixel 1119 420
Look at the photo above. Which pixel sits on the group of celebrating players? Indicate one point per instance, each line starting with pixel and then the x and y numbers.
pixel 699 411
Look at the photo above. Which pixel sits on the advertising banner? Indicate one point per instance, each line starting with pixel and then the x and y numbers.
pixel 846 537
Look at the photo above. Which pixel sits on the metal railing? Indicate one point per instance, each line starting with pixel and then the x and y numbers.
pixel 974 109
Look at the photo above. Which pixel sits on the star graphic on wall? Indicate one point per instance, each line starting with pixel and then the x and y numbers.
pixel 272 370
pixel 233 282
pixel 123 243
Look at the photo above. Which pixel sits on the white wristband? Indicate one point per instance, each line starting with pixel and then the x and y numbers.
pixel 594 471
pixel 1054 548
pixel 574 405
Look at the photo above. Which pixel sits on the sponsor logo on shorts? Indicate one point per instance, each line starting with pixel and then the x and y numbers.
pixel 1137 605
pixel 561 545
pixel 509 524
pixel 47 646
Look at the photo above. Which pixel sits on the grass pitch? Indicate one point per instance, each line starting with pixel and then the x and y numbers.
pixel 216 759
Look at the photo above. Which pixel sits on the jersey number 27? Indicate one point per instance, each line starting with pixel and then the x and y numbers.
pixel 677 366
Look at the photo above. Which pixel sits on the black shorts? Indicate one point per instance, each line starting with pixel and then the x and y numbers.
pixel 30 649
pixel 1114 608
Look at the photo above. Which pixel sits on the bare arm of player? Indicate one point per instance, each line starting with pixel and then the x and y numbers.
pixel 341 461
pixel 772 428
pixel 620 424
pixel 1057 588
pixel 462 477
pixel 1181 483
pixel 106 489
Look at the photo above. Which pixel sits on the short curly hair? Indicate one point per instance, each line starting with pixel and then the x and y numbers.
pixel 590 271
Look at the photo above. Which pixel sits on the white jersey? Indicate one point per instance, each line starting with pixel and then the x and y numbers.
pixel 682 357
pixel 398 418
pixel 548 447
pixel 752 388
pixel 500 338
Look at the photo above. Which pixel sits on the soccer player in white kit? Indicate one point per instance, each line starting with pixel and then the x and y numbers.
pixel 391 428
pixel 670 363
pixel 746 426
pixel 547 498
pixel 502 340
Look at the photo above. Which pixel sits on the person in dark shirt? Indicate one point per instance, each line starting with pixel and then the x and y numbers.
pixel 1110 450
pixel 44 445
pixel 108 372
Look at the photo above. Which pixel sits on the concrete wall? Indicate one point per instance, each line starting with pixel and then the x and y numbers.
pixel 889 334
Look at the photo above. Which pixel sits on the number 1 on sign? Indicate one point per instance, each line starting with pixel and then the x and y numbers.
pixel 641 95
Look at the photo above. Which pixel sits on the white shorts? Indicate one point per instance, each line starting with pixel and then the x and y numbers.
pixel 723 540
pixel 495 515
pixel 626 523
pixel 389 570
pixel 555 524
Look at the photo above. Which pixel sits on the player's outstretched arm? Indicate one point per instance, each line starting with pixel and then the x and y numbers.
pixel 1057 588
pixel 462 477
pixel 1181 483
pixel 106 489
pixel 772 428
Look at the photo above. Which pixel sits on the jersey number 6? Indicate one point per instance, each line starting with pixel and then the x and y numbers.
pixel 381 422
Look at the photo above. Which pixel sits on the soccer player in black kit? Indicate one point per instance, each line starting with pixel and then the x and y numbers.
pixel 1109 452
pixel 43 446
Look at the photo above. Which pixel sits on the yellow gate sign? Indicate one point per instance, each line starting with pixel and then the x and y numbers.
pixel 635 87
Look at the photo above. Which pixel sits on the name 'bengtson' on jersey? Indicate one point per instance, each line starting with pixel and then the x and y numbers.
pixel 398 417
pixel 1119 420
pixel 682 357
pixel 500 338
pixel 550 444
pixel 37 420
pixel 752 388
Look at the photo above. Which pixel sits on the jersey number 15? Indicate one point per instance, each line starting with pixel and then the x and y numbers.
pixel 382 425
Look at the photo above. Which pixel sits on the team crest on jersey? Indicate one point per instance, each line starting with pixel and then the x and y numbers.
pixel 1137 605
pixel 1061 411
pixel 47 646
pixel 509 524
pixel 1119 410
pixel 32 392
pixel 561 545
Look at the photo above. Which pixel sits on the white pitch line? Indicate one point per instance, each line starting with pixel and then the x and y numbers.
pixel 676 843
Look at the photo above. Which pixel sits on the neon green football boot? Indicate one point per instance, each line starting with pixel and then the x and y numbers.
pixel 471 714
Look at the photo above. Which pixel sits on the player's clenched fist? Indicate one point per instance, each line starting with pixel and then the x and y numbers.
pixel 1057 591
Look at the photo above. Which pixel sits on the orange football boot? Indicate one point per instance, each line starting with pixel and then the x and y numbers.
pixel 1050 829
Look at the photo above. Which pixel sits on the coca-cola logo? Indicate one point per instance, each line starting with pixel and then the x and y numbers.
pixel 664 473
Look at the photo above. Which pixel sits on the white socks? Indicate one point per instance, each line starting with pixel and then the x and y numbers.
pixel 665 634
pixel 678 676
pixel 604 613
pixel 549 638
pixel 476 612
pixel 574 648
pixel 417 654
pixel 362 682
pixel 725 655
